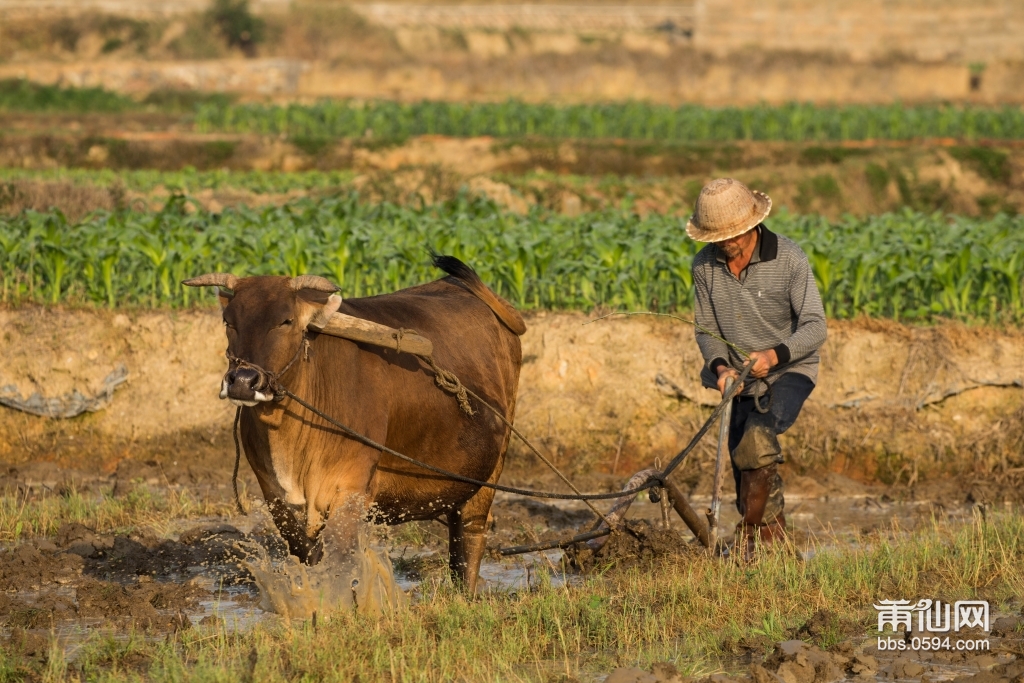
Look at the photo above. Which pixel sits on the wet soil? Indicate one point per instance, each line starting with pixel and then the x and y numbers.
pixel 638 542
pixel 116 580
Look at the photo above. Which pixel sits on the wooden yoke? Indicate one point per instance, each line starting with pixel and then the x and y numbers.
pixel 329 321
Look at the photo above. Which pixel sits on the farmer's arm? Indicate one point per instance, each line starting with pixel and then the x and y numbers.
pixel 714 351
pixel 805 301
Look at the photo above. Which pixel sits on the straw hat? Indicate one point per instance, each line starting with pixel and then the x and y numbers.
pixel 726 208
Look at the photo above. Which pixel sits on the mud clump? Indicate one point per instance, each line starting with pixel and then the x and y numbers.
pixel 138 604
pixel 27 645
pixel 637 542
pixel 529 521
pixel 795 661
pixel 826 626
pixel 125 580
pixel 662 672
pixel 26 567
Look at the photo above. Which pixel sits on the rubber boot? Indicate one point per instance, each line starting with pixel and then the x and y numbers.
pixel 755 489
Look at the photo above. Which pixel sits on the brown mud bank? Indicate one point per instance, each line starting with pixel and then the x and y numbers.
pixel 898 405
pixel 644 66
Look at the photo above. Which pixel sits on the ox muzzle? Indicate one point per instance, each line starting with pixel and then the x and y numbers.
pixel 245 386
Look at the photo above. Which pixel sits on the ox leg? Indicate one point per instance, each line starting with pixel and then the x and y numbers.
pixel 293 533
pixel 341 531
pixel 475 515
pixel 457 547
pixel 473 519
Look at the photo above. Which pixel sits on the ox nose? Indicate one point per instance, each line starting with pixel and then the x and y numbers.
pixel 241 383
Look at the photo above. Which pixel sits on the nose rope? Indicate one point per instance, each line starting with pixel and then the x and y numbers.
pixel 265 379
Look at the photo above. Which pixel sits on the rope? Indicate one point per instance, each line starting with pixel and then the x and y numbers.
pixel 238 458
pixel 268 380
pixel 533 449
pixel 767 391
pixel 450 383
pixel 399 335
pixel 655 479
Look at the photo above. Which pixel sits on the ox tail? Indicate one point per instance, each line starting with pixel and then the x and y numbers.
pixel 467 276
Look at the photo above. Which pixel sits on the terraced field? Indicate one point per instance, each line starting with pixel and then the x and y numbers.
pixel 121 544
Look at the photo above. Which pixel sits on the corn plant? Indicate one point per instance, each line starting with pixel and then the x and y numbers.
pixel 629 120
pixel 907 266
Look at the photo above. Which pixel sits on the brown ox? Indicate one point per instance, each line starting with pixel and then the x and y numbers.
pixel 308 470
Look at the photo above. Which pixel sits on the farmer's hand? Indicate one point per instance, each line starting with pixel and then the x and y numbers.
pixel 724 373
pixel 763 362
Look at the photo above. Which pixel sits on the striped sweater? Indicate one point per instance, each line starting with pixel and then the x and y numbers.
pixel 774 304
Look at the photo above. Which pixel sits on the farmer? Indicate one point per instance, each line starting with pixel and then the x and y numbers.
pixel 755 290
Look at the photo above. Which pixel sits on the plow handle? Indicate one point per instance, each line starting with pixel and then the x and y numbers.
pixel 720 464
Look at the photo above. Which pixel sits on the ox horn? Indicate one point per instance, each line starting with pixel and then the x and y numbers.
pixel 226 280
pixel 320 284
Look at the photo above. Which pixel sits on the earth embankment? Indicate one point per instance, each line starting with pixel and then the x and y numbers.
pixel 895 404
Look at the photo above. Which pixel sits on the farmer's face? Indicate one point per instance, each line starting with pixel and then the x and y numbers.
pixel 734 246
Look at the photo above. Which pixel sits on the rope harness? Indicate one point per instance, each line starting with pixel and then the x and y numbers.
pixel 450 383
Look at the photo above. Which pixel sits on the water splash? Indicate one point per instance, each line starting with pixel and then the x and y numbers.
pixel 361 579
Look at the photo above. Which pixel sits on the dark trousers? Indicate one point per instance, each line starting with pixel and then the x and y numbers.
pixel 788 394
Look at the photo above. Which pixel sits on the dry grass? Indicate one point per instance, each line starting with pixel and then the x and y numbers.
pixel 24 517
pixel 74 200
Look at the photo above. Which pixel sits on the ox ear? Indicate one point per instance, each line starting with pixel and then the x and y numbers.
pixel 322 316
pixel 224 296
pixel 320 284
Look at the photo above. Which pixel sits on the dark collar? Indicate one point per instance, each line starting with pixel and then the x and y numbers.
pixel 767 246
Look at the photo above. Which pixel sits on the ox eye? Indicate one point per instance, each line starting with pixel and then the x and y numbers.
pixel 286 322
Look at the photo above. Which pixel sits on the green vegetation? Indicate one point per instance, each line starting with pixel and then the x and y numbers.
pixel 822 186
pixel 17 94
pixel 906 266
pixel 632 120
pixel 696 609
pixel 878 179
pixel 20 95
pixel 385 121
pixel 992 164
pixel 187 180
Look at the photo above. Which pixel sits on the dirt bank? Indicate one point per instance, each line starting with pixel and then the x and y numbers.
pixel 895 404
